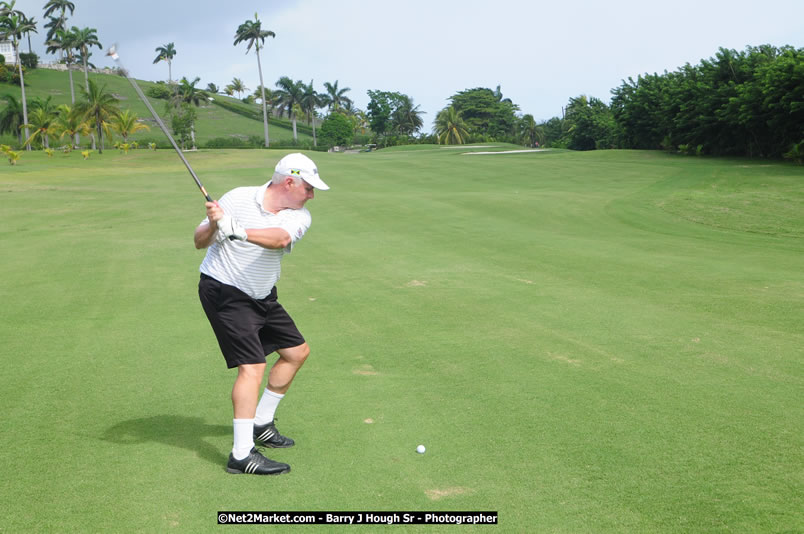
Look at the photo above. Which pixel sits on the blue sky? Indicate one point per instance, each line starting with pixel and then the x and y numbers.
pixel 540 53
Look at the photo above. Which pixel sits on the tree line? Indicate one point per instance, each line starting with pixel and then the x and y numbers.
pixel 748 103
pixel 738 103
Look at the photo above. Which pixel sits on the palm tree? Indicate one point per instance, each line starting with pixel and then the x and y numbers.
pixel 289 95
pixel 189 95
pixel 59 5
pixel 310 101
pixel 57 23
pixel 166 53
pixel 450 127
pixel 212 88
pixel 12 117
pixel 127 123
pixel 407 117
pixel 83 40
pixel 238 87
pixel 12 25
pixel 62 41
pixel 99 107
pixel 252 32
pixel 530 133
pixel 42 124
pixel 72 122
pixel 335 98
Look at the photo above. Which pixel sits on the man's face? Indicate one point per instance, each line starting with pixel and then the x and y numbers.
pixel 300 193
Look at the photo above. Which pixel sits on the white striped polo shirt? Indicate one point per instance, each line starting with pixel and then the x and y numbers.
pixel 251 268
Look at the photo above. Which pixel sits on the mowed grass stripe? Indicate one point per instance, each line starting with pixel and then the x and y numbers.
pixel 571 353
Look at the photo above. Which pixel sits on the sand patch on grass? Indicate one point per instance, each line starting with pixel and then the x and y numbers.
pixel 365 370
pixel 436 494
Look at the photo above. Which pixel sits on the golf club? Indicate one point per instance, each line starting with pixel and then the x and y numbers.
pixel 113 53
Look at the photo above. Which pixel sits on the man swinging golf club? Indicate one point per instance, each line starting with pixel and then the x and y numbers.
pixel 247 232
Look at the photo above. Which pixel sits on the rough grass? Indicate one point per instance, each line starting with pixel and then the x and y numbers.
pixel 576 343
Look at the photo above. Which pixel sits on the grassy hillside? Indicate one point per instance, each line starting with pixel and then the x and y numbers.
pixel 213 121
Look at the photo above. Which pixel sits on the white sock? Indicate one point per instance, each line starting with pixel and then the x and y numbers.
pixel 243 438
pixel 267 407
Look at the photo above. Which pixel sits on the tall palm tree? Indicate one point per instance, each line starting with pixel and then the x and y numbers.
pixel 99 106
pixel 12 117
pixel 52 6
pixel 166 53
pixel 62 41
pixel 335 98
pixel 310 101
pixel 12 25
pixel 450 127
pixel 126 123
pixel 289 95
pixel 83 40
pixel 71 122
pixel 252 32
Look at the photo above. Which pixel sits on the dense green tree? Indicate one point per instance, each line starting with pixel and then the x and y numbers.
pixel 591 124
pixel 337 130
pixel 252 32
pixel 486 113
pixel 741 103
pixel 392 113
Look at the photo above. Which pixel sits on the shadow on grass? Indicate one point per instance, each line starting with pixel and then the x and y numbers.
pixel 173 430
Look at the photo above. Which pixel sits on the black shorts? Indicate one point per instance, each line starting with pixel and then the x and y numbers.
pixel 247 329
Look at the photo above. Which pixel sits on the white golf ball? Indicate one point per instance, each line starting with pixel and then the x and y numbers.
pixel 420 449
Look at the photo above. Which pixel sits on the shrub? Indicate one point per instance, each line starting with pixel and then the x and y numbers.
pixel 159 91
pixel 2 59
pixel 336 130
pixel 29 60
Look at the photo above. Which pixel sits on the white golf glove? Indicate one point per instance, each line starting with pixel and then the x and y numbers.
pixel 231 229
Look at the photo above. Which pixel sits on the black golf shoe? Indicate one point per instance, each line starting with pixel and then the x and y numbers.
pixel 268 436
pixel 255 464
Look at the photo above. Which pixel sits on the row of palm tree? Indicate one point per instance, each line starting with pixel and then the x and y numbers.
pixel 73 45
pixel 96 113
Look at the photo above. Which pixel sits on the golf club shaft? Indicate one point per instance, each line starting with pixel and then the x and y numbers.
pixel 161 125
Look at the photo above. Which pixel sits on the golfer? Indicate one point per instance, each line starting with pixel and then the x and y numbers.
pixel 246 233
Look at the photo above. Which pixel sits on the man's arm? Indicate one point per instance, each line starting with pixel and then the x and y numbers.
pixel 269 237
pixel 205 232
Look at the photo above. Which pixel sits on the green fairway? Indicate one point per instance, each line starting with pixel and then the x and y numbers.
pixel 605 341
